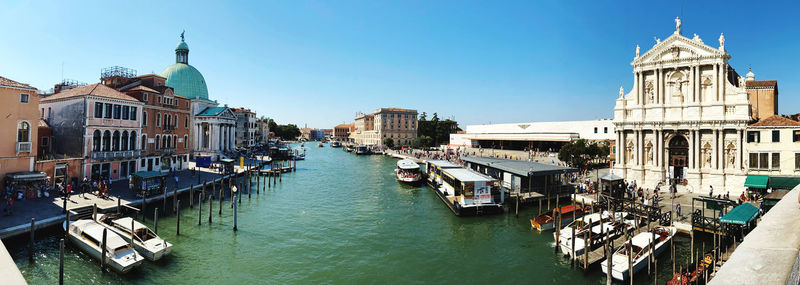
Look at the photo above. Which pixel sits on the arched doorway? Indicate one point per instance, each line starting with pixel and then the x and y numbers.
pixel 678 156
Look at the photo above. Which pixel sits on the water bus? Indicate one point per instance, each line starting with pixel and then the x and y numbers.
pixel 408 172
pixel 469 193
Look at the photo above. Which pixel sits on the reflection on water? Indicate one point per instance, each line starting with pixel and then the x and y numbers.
pixel 339 219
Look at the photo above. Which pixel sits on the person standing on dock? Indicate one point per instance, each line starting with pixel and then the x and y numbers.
pixel 176 181
pixel 677 210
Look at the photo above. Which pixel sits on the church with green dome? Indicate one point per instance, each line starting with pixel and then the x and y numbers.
pixel 213 128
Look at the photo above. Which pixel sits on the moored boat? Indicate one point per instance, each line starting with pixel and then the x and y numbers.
pixel 88 236
pixel 145 241
pixel 639 248
pixel 546 221
pixel 320 144
pixel 336 144
pixel 362 149
pixel 408 172
pixel 596 225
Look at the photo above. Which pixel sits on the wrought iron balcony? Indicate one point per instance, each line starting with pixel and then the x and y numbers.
pixel 116 154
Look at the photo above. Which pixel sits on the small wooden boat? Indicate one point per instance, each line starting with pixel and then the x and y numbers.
pixel 683 278
pixel 639 249
pixel 408 172
pixel 145 241
pixel 546 221
pixel 320 144
pixel 88 236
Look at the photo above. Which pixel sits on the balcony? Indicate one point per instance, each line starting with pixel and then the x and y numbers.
pixel 165 150
pixel 116 154
pixel 168 128
pixel 24 147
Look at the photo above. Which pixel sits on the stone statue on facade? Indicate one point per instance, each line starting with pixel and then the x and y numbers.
pixel 637 50
pixel 649 153
pixel 677 25
pixel 621 92
pixel 721 42
pixel 658 41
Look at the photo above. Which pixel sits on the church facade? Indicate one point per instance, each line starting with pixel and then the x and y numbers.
pixel 685 117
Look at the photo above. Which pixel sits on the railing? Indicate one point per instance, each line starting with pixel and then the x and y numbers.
pixel 166 150
pixel 24 147
pixel 168 127
pixel 116 154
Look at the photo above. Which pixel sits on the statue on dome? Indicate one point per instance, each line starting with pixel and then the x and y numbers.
pixel 677 25
pixel 184 31
pixel 637 50
pixel 721 42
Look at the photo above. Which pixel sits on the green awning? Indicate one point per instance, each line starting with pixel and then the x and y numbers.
pixel 788 183
pixel 148 174
pixel 226 160
pixel 756 181
pixel 741 215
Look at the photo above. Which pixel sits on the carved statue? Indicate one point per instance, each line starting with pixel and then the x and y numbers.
pixel 621 92
pixel 637 50
pixel 648 89
pixel 721 42
pixel 677 25
pixel 649 154
pixel 707 155
pixel 697 38
pixel 741 81
pixel 658 41
pixel 184 31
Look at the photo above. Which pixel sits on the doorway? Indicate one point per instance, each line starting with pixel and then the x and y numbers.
pixel 678 156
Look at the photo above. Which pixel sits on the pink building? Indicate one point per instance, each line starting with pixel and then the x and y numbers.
pixel 98 123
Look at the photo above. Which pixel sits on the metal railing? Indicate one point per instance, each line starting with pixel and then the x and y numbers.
pixel 116 154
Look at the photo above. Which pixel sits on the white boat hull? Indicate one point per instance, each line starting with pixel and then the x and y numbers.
pixel 620 269
pixel 122 262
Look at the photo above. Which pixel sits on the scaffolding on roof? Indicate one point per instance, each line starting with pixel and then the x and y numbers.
pixel 117 71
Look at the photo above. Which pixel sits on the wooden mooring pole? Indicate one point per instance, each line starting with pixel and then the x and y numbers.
pixel 200 208
pixel 235 212
pixel 178 216
pixel 191 196
pixel 30 245
pixel 61 262
pixel 210 210
pixel 103 253
pixel 155 220
pixel 609 257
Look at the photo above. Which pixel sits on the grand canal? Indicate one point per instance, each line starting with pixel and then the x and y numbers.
pixel 339 219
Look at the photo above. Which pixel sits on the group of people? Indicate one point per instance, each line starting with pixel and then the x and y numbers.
pixel 99 186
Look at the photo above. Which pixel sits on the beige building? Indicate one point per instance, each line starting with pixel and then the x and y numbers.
pixel 398 124
pixel 763 96
pixel 773 147
pixel 19 104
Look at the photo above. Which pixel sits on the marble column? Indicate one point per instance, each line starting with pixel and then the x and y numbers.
pixel 621 147
pixel 714 149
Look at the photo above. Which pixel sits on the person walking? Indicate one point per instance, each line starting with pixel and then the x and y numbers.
pixel 678 210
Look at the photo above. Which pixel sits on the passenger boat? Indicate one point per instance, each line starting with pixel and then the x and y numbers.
pixel 336 144
pixel 299 156
pixel 469 193
pixel 88 236
pixel 362 149
pixel 408 172
pixel 546 221
pixel 145 241
pixel 639 248
pixel 615 226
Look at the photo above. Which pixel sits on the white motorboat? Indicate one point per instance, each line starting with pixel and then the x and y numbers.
pixel 640 251
pixel 88 236
pixel 145 241
pixel 362 149
pixel 616 225
pixel 408 172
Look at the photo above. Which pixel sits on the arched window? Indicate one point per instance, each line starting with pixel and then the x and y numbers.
pixel 23 132
pixel 133 141
pixel 144 118
pixel 158 120
pixel 96 141
pixel 124 141
pixel 158 142
pixel 106 141
pixel 168 144
pixel 144 142
pixel 115 141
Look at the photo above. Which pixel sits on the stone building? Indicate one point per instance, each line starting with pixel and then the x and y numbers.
pixel 213 127
pixel 19 104
pixel 98 123
pixel 246 127
pixel 773 149
pixel 685 117
pixel 398 124
pixel 342 132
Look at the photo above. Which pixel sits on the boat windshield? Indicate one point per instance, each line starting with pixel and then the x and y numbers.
pixel 144 234
pixel 120 249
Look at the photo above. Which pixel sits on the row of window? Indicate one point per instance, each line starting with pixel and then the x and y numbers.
pixel 167 119
pixel 116 141
pixel 755 136
pixel 114 111
pixel 770 161
pixel 605 130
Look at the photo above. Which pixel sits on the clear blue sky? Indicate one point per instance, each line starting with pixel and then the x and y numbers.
pixel 320 62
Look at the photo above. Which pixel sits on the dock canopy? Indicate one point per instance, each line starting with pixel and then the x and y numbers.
pixel 756 181
pixel 778 182
pixel 27 176
pixel 610 177
pixel 741 215
pixel 519 167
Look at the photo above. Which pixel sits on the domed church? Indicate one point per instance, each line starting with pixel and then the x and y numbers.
pixel 212 130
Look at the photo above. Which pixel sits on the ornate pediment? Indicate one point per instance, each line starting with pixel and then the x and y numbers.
pixel 677 48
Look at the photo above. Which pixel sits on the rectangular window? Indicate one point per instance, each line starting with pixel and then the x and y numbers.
pixel 117 112
pixel 144 98
pixel 776 160
pixel 753 137
pixel 605 130
pixel 108 111
pixel 796 136
pixel 133 113
pixel 797 161
pixel 753 161
pixel 763 160
pixel 44 141
pixel 595 130
pixel 159 99
pixel 776 136
pixel 24 98
pixel 98 110
pixel 126 112
pixel 144 118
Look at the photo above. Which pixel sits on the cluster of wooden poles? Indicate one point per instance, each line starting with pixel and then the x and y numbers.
pixel 264 179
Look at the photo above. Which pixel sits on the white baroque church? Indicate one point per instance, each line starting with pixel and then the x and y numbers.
pixel 685 117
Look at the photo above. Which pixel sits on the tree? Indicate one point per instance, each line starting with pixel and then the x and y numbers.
pixel 423 116
pixel 388 142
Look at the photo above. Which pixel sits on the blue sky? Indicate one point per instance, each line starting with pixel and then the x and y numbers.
pixel 320 62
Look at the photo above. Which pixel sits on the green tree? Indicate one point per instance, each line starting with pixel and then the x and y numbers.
pixel 423 116
pixel 388 142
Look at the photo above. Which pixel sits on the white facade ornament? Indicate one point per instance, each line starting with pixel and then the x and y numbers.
pixel 658 41
pixel 621 92
pixel 721 42
pixel 697 38
pixel 677 25
pixel 637 51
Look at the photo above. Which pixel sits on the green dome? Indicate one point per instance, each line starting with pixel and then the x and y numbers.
pixel 182 46
pixel 186 80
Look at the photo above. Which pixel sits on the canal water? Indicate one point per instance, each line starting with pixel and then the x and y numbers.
pixel 340 219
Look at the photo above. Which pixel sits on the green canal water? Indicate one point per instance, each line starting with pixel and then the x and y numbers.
pixel 340 219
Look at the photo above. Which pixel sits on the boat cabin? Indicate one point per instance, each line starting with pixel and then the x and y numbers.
pixel 469 188
pixel 434 168
pixel 142 233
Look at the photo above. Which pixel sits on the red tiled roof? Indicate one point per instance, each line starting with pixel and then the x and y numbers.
pixel 11 83
pixel 761 83
pixel 96 89
pixel 143 88
pixel 776 121
pixel 150 75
